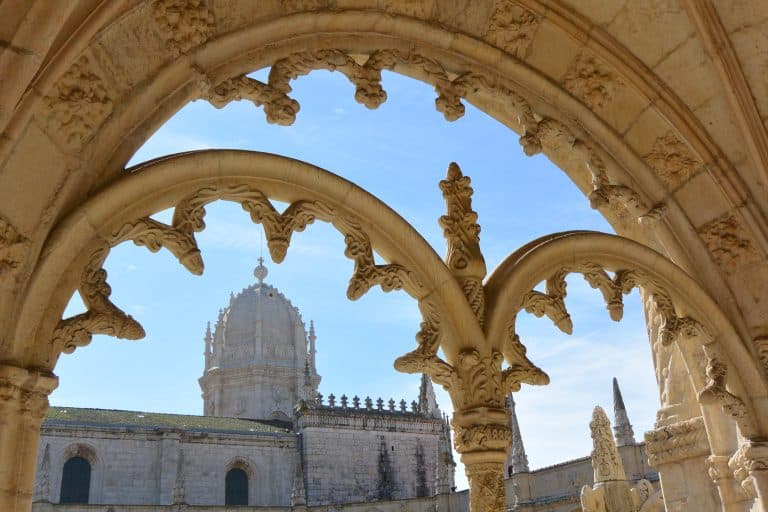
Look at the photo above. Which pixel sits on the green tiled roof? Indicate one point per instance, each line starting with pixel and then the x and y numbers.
pixel 77 416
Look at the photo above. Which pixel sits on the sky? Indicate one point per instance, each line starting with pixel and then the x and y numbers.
pixel 399 153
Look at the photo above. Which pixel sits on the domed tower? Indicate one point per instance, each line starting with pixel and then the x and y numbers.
pixel 259 360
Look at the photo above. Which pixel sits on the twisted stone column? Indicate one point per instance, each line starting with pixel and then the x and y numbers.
pixel 23 404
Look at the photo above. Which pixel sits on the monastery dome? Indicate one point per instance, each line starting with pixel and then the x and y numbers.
pixel 260 327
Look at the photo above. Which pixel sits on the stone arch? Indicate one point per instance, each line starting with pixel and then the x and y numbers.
pixel 90 454
pixel 731 390
pixel 191 180
pixel 589 150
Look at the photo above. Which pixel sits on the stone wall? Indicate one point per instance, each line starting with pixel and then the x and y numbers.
pixel 363 456
pixel 140 467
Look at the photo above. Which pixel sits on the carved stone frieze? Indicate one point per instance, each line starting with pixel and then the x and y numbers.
pixel 77 104
pixel 715 393
pixel 728 242
pixel 461 231
pixel 12 246
pixel 511 28
pixel 672 160
pixel 677 442
pixel 101 317
pixel 183 24
pixel 481 437
pixel 591 81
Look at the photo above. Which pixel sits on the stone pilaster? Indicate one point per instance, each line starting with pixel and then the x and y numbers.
pixel 23 404
pixel 679 451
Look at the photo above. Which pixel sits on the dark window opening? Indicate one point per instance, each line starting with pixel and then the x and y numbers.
pixel 236 487
pixel 75 481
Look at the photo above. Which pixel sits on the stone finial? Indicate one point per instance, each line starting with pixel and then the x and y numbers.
pixel 261 271
pixel 379 404
pixel 622 428
pixel 606 462
pixel 319 399
pixel 517 460
pixel 403 406
pixel 344 401
pixel 331 400
pixel 414 407
pixel 368 403
pixel 391 404
pixel 356 402
pixel 427 401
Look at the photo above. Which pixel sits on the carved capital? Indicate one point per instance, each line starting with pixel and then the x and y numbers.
pixel 472 438
pixel 25 392
pixel 677 442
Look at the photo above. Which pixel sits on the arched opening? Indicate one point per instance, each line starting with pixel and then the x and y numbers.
pixel 75 481
pixel 236 487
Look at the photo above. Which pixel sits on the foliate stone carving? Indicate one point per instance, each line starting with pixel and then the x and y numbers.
pixel 511 28
pixel 521 369
pixel 672 160
pixel 728 242
pixel 12 246
pixel 101 317
pixel 677 441
pixel 154 235
pixel 646 498
pixel 487 486
pixel 78 103
pixel 278 106
pixel 481 437
pixel 460 229
pixel 592 81
pixel 183 24
pixel 606 462
pixel 715 392
pixel 740 464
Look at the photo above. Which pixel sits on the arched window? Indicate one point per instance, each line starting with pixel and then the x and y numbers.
pixel 236 487
pixel 75 481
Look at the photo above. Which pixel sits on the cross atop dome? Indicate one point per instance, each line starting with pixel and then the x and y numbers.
pixel 261 271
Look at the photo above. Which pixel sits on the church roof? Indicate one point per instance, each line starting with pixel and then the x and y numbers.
pixel 83 417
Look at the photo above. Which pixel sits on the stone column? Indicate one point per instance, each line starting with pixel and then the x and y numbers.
pixel 750 468
pixel 680 451
pixel 23 404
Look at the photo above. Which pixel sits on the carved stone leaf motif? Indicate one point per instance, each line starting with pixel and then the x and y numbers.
pixel 183 24
pixel 521 369
pixel 12 246
pixel 677 441
pixel 460 229
pixel 101 317
pixel 511 28
pixel 715 392
pixel 591 81
pixel 729 243
pixel 154 235
pixel 77 105
pixel 672 160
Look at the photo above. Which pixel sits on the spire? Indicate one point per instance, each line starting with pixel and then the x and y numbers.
pixel 312 350
pixel 261 271
pixel 179 494
pixel 606 462
pixel 446 466
pixel 517 460
pixel 427 401
pixel 625 436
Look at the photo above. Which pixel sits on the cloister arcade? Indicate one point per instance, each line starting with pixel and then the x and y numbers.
pixel 654 109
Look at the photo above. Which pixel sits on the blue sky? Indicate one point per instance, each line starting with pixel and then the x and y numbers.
pixel 399 153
